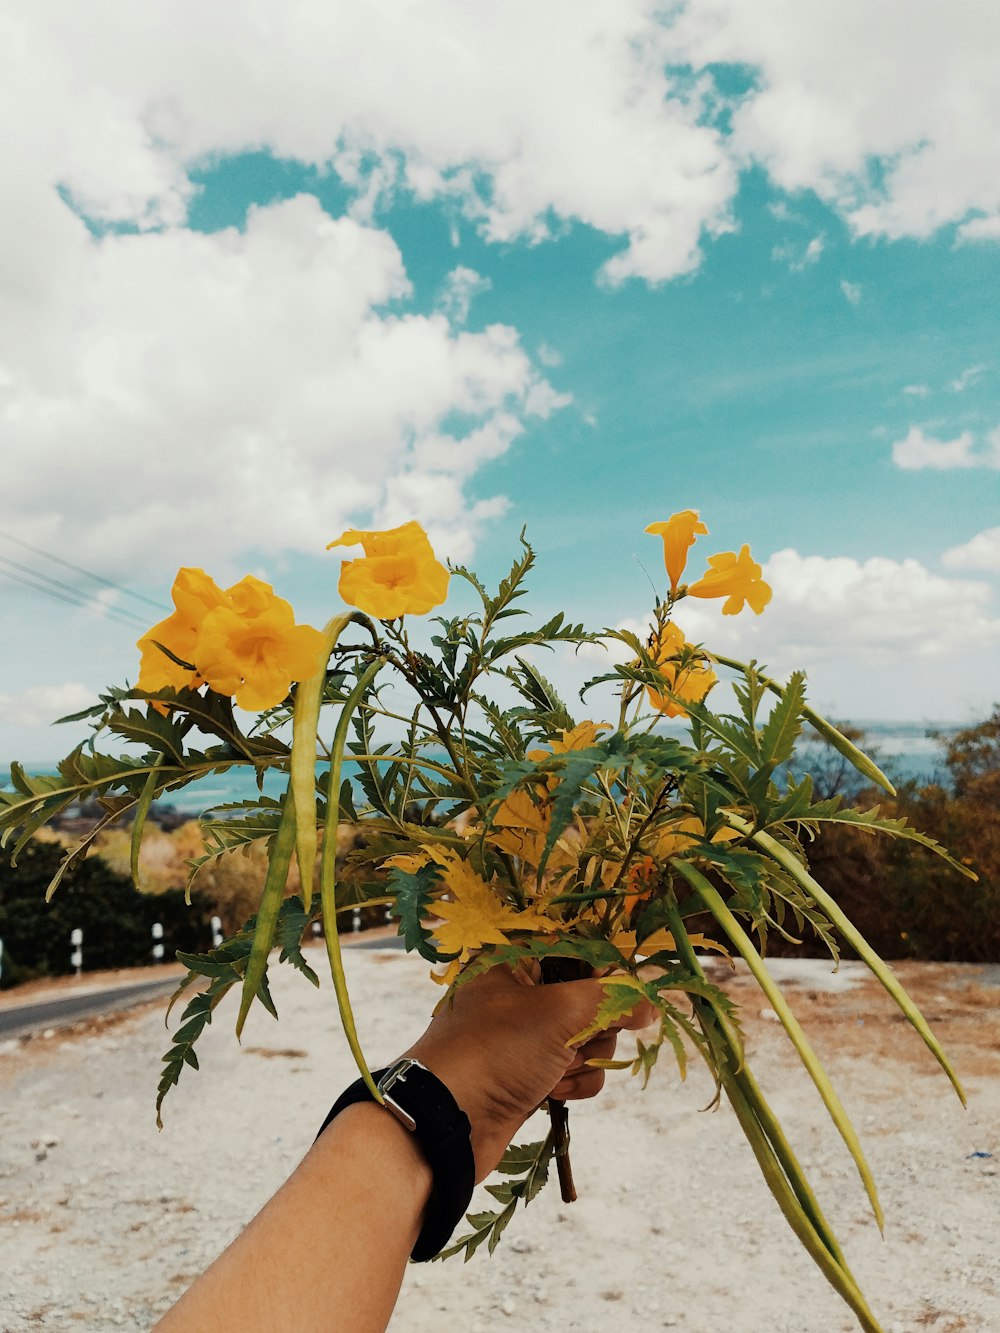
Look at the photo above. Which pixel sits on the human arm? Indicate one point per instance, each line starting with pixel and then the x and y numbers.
pixel 330 1248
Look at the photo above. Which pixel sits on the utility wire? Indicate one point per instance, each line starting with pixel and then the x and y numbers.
pixel 87 574
pixel 71 596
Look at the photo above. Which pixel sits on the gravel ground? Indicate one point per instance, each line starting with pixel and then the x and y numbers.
pixel 104 1221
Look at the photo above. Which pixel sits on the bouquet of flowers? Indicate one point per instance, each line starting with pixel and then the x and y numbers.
pixel 499 828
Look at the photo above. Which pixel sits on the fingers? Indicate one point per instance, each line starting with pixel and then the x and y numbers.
pixel 577 1087
pixel 640 1017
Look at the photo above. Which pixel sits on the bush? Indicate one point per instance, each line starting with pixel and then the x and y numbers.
pixel 116 920
pixel 906 901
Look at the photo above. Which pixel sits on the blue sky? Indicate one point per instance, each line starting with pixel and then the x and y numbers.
pixel 695 263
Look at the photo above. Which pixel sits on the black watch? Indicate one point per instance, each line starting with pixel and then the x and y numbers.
pixel 423 1105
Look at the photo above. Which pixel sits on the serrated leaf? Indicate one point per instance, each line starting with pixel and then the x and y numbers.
pixel 621 995
pixel 412 894
pixel 782 729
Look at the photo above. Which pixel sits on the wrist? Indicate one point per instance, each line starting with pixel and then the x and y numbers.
pixel 420 1105
pixel 491 1126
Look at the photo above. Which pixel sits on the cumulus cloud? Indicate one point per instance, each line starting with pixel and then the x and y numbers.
pixel 852 293
pixel 123 100
pixel 190 396
pixel 888 114
pixel 41 703
pixel 918 450
pixel 823 608
pixel 982 552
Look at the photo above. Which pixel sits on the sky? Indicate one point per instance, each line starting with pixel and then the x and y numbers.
pixel 273 271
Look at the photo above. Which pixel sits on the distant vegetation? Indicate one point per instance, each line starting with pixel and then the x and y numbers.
pixel 906 902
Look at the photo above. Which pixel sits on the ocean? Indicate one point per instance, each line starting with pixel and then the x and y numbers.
pixel 903 749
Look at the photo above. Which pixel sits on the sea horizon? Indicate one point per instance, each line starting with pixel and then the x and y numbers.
pixel 909 748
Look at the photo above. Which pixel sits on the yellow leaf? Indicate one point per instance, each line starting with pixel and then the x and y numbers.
pixel 476 916
pixel 520 827
pixel 625 943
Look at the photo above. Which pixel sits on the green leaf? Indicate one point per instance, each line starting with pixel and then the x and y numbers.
pixel 621 995
pixel 271 898
pixel 778 739
pixel 870 821
pixel 292 922
pixel 194 1020
pixel 531 1162
pixel 540 693
pixel 413 893
pixel 519 1158
pixel 867 767
pixel 139 821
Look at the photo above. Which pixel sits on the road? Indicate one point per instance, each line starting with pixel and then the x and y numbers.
pixel 24 1019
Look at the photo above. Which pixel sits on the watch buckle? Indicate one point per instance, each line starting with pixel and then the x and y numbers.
pixel 397 1073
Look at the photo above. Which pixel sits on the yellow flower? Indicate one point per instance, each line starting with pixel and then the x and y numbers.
pixel 678 533
pixel 684 671
pixel 735 577
pixel 194 595
pixel 252 649
pixel 398 575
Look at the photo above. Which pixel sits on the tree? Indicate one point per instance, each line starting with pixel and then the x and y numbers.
pixel 116 920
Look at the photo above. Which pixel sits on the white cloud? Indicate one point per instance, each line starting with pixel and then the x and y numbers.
pixel 981 552
pixel 438 98
pixel 852 293
pixel 797 259
pixel 888 112
pixel 980 229
pixel 919 450
pixel 42 703
pixel 967 377
pixel 462 286
pixel 823 607
pixel 916 390
pixel 180 396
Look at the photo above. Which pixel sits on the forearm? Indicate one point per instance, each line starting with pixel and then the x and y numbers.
pixel 329 1250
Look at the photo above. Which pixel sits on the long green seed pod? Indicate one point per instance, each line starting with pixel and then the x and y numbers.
pixel 713 900
pixel 328 873
pixel 853 937
pixel 302 770
pixel 781 1170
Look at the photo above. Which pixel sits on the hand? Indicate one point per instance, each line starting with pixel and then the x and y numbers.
pixel 501 1045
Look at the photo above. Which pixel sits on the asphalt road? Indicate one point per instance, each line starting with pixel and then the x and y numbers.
pixel 25 1019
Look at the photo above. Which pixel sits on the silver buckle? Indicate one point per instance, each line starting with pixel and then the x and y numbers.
pixel 397 1074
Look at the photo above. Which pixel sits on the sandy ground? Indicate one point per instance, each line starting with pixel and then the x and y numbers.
pixel 103 1220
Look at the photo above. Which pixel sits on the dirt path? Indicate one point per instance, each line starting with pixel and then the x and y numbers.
pixel 103 1221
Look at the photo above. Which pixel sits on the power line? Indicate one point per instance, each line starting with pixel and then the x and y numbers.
pixel 72 597
pixel 87 574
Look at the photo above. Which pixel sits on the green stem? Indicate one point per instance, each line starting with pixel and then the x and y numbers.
pixel 328 873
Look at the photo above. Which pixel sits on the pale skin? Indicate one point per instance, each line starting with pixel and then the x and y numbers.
pixel 329 1250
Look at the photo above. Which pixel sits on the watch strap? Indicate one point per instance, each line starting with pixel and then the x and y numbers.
pixel 424 1105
